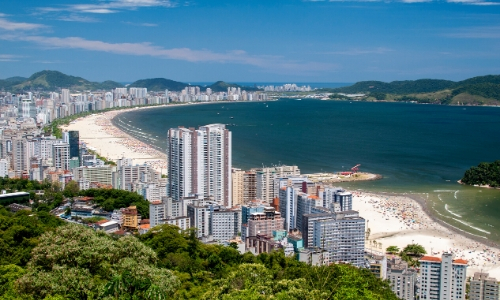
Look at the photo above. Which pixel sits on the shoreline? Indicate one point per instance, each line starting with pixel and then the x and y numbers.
pixel 401 219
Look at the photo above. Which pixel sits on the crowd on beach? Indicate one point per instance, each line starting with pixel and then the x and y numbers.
pixel 413 220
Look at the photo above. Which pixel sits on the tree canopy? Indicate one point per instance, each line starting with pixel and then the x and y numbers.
pixel 483 174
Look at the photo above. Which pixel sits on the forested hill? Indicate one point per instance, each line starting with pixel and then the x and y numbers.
pixel 53 81
pixel 478 90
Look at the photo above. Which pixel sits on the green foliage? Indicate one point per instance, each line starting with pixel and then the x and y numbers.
pixel 337 96
pixel 52 80
pixel 483 174
pixel 19 234
pixel 159 84
pixel 110 199
pixel 486 90
pixel 411 253
pixel 378 95
pixel 397 87
pixel 79 263
pixel 71 189
pixel 392 249
pixel 221 86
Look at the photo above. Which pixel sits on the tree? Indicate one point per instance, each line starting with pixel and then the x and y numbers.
pixel 414 250
pixel 71 189
pixel 80 263
pixel 392 249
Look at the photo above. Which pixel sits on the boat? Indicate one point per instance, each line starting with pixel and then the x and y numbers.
pixel 298 99
pixel 232 117
pixel 267 105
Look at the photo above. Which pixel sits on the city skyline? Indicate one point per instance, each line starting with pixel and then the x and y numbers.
pixel 301 41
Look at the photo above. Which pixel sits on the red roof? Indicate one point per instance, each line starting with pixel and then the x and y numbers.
pixel 430 258
pixel 460 261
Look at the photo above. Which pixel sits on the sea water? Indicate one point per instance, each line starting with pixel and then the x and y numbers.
pixel 418 149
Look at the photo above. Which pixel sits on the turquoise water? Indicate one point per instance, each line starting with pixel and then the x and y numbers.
pixel 421 149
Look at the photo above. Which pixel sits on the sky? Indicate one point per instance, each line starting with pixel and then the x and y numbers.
pixel 251 40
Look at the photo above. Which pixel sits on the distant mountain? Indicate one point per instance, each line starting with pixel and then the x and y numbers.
pixel 221 86
pixel 159 84
pixel 16 79
pixel 397 87
pixel 53 80
pixel 479 90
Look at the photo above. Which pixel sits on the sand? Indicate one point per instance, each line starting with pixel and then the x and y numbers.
pixel 99 134
pixel 400 220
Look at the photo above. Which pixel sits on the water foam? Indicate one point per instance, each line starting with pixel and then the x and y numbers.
pixel 473 227
pixel 448 210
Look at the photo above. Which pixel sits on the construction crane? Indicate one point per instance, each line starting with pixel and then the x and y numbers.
pixel 355 168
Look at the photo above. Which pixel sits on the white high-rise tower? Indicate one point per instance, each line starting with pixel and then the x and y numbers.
pixel 200 162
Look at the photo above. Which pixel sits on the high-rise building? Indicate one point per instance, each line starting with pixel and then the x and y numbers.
pixel 342 234
pixel 305 203
pixel 200 162
pixel 442 278
pixel 237 186
pixel 288 207
pixel 65 95
pixel 74 143
pixel 402 279
pixel 20 160
pixel 265 189
pixel 60 155
pixel 483 287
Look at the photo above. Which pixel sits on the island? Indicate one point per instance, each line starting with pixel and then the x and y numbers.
pixel 484 175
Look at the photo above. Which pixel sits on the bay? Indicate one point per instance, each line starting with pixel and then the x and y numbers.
pixel 420 149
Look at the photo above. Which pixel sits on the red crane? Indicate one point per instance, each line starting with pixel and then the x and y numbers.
pixel 355 168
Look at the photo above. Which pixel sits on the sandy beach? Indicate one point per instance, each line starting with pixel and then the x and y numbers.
pixel 99 134
pixel 399 220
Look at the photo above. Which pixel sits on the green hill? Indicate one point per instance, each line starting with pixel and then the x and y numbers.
pixel 53 80
pixel 16 79
pixel 481 90
pixel 398 87
pixel 159 84
pixel 221 86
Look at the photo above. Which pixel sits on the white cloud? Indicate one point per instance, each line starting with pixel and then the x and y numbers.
pixel 77 18
pixel 108 7
pixel 356 51
pixel 9 57
pixel 142 24
pixel 275 64
pixel 13 26
pixel 492 32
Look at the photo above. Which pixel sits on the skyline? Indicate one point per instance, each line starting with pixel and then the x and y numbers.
pixel 253 41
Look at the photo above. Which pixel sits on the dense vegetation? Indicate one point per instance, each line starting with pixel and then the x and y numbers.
pixel 483 174
pixel 74 262
pixel 476 91
pixel 110 199
pixel 53 80
pixel 53 195
pixel 159 84
pixel 221 86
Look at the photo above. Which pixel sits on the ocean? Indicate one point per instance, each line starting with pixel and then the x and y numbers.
pixel 421 149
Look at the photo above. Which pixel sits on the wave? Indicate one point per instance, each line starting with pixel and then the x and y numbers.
pixel 455 195
pixel 473 227
pixel 455 214
pixel 439 197
pixel 444 191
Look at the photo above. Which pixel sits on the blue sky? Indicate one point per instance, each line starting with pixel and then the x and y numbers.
pixel 251 40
